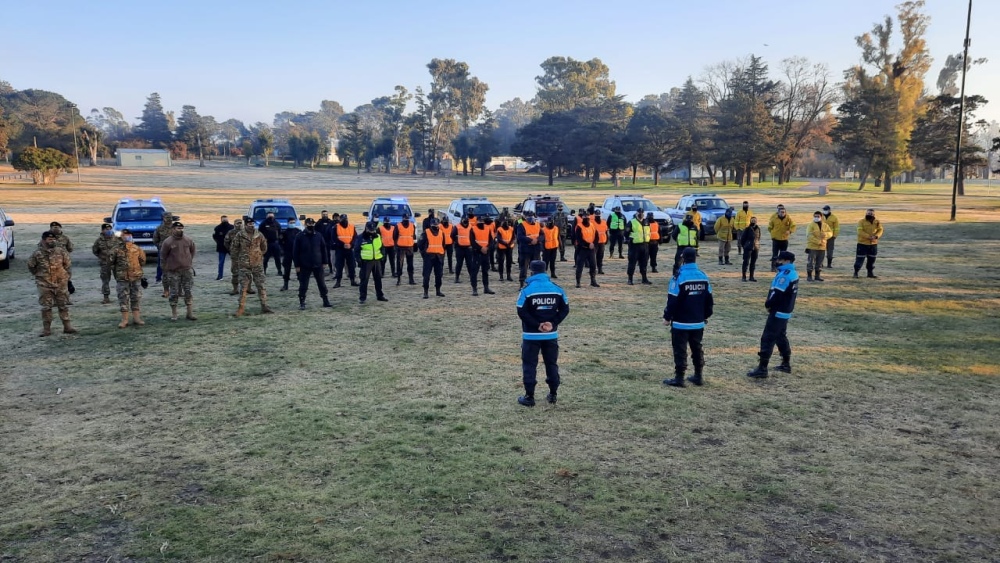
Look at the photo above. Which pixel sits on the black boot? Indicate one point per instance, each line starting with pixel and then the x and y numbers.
pixel 593 282
pixel 284 287
pixel 438 292
pixel 676 381
pixel 426 291
pixel 526 401
pixel 326 302
pixel 785 366
pixel 411 280
pixel 760 372
pixel 720 260
pixel 753 279
pixel 696 378
pixel 302 305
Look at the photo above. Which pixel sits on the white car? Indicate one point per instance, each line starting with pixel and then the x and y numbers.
pixel 6 240
pixel 481 206
pixel 631 204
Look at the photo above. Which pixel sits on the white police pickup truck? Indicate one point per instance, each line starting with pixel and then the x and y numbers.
pixel 632 204
pixel 6 240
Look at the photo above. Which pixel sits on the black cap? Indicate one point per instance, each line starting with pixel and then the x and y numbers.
pixel 126 232
pixel 106 226
pixel 55 224
pixel 786 255
pixel 48 234
pixel 434 222
pixel 310 221
pixel 247 218
pixel 690 255
pixel 537 266
pixel 178 224
pixel 826 208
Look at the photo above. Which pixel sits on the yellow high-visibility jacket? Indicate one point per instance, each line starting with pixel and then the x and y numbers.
pixel 867 231
pixel 817 235
pixel 781 229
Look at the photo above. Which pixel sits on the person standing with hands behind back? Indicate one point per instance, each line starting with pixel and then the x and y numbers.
pixel 542 306
pixel 689 306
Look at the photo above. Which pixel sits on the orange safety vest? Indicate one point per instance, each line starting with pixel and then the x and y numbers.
pixel 345 234
pixel 473 221
pixel 482 237
pixel 447 232
pixel 435 243
pixel 588 234
pixel 405 235
pixel 506 238
pixel 602 231
pixel 386 234
pixel 492 227
pixel 552 238
pixel 464 235
pixel 531 231
pixel 654 231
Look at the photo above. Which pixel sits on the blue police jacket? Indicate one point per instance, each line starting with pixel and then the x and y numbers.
pixel 541 301
pixel 785 287
pixel 689 299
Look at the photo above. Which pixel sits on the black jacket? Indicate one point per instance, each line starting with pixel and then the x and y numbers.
pixel 287 240
pixel 323 226
pixel 271 230
pixel 219 236
pixel 750 239
pixel 310 251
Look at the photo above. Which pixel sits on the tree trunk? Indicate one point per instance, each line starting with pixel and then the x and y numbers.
pixel 866 171
pixel 656 175
pixel 551 172
pixel 690 172
pixel 724 177
pixel 887 186
pixel 711 174
pixel 739 177
pixel 635 170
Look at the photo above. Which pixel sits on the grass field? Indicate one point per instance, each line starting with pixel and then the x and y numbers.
pixel 390 431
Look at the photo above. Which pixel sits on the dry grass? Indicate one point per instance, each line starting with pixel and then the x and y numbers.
pixel 389 432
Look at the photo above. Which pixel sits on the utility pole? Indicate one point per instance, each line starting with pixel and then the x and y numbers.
pixel 961 118
pixel 76 154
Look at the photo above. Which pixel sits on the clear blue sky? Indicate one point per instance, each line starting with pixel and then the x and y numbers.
pixel 250 60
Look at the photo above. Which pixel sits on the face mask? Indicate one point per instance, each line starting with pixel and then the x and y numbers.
pixel 817 219
pixel 109 233
pixel 746 207
pixel 586 222
pixel 310 228
pixel 56 230
pixel 870 217
pixel 434 229
pixel 225 221
pixel 50 243
pixel 465 222
pixel 753 223
pixel 127 238
pixel 179 235
pixel 406 222
pixel 827 215
pixel 249 228
pixel 781 213
pixel 531 220
pixel 343 222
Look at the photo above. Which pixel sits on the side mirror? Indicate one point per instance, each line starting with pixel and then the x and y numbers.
pixel 416 215
pixel 8 223
pixel 364 213
pixel 107 219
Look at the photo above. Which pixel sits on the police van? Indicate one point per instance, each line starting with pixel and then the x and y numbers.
pixel 283 211
pixel 394 208
pixel 6 240
pixel 141 216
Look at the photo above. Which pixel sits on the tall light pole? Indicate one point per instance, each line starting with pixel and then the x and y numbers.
pixel 961 118
pixel 76 154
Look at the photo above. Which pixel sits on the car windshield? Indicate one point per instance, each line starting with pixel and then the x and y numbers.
pixel 482 209
pixel 140 214
pixel 391 210
pixel 711 204
pixel 546 207
pixel 280 212
pixel 638 204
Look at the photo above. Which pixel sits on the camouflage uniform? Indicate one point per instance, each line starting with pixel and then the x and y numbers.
pixel 51 267
pixel 103 248
pixel 63 242
pixel 234 268
pixel 248 250
pixel 561 220
pixel 126 262
pixel 162 233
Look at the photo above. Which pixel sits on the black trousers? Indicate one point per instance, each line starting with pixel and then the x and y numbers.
pixel 830 244
pixel 505 258
pixel 866 252
pixel 776 247
pixel 615 237
pixel 370 269
pixel 750 259
pixel 433 263
pixel 524 258
pixel 463 256
pixel 389 255
pixel 449 249
pixel 479 267
pixel 529 364
pixel 286 264
pixel 654 248
pixel 273 252
pixel 304 275
pixel 637 254
pixel 549 255
pixel 585 257
pixel 600 258
pixel 774 333
pixel 345 257
pixel 681 340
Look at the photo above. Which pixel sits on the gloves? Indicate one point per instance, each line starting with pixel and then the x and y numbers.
pixel 144 282
pixel 71 287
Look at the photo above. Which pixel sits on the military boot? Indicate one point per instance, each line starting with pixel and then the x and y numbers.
pixel 760 372
pixel 137 318
pixel 785 365
pixel 67 326
pixel 107 299
pixel 46 323
pixel 190 313
pixel 426 293
pixel 677 381
pixel 124 322
pixel 284 286
pixel 696 378
pixel 265 309
pixel 242 308
pixel 173 312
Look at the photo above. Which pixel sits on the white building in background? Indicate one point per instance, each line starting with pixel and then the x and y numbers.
pixel 143 158
pixel 331 156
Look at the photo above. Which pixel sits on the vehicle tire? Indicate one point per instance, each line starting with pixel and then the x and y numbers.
pixel 5 264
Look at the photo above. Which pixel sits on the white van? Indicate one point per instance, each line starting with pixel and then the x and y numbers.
pixel 6 240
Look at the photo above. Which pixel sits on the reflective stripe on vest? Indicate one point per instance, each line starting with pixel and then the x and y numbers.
pixel 435 243
pixel 654 231
pixel 345 234
pixel 405 235
pixel 552 238
pixel 617 223
pixel 686 236
pixel 372 250
pixel 640 232
pixel 506 237
pixel 602 231
pixel 386 233
pixel 463 235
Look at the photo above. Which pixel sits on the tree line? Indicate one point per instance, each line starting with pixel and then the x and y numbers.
pixel 737 122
